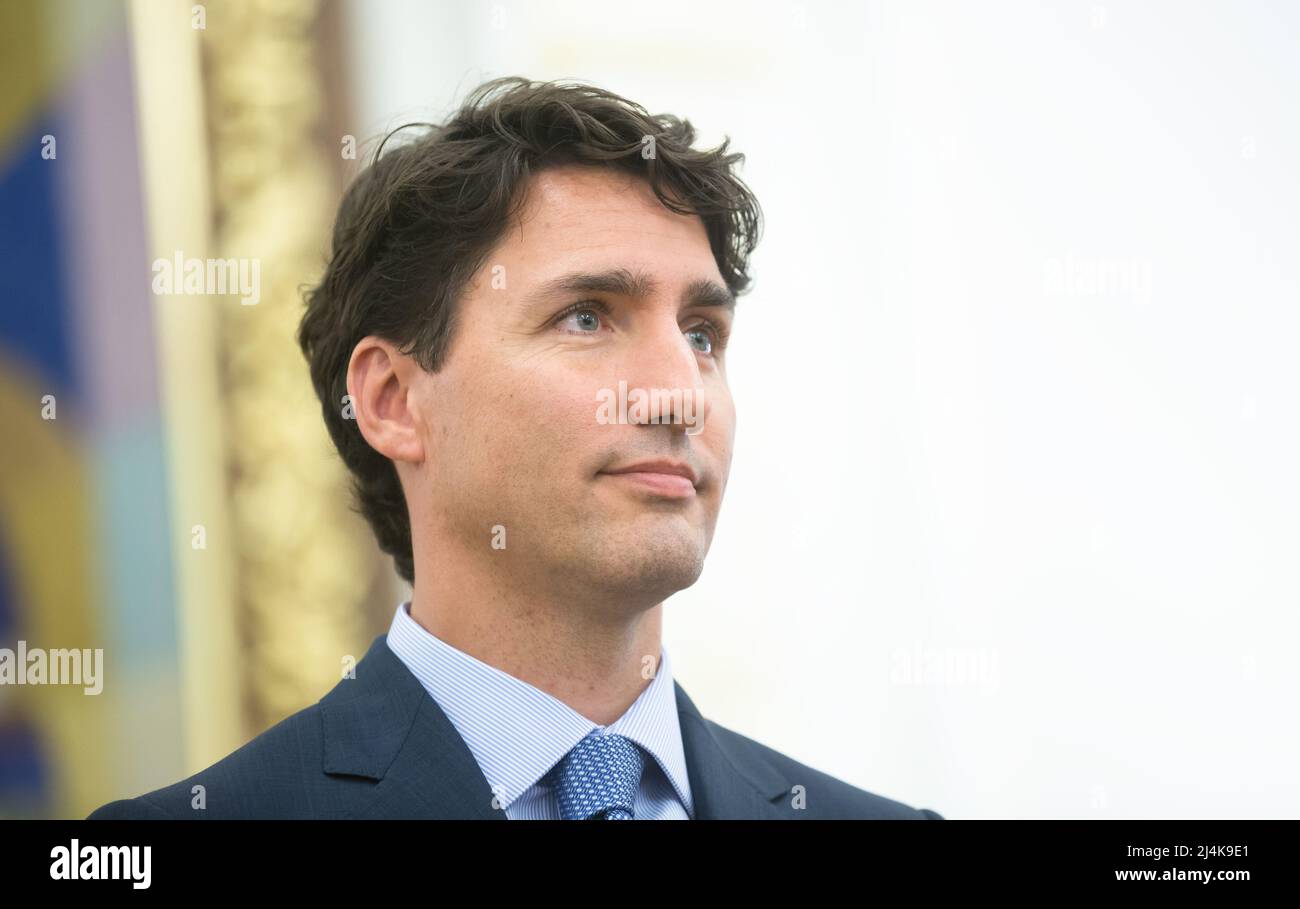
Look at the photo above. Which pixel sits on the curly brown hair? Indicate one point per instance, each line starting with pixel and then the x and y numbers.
pixel 420 220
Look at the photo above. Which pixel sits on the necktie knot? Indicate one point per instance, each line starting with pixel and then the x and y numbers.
pixel 599 778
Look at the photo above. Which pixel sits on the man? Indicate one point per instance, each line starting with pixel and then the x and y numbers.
pixel 519 346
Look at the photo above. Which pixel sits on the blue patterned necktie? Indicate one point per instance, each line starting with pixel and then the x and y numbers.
pixel 598 779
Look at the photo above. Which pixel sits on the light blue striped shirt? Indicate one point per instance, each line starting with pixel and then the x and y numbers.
pixel 518 732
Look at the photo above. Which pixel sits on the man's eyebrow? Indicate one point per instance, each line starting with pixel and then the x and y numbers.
pixel 627 283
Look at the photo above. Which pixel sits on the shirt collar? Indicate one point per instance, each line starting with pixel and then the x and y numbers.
pixel 518 732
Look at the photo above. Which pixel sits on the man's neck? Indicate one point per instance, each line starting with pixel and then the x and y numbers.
pixel 597 662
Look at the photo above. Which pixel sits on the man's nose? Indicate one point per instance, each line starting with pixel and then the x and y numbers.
pixel 667 369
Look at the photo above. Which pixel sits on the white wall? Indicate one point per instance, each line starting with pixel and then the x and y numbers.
pixel 1012 525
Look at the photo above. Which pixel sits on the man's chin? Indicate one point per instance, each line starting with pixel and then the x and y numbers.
pixel 649 562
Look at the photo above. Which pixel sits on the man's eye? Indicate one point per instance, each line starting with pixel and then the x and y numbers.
pixel 708 338
pixel 701 339
pixel 582 318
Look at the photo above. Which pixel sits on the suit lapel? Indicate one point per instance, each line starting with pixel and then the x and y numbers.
pixel 383 725
pixel 728 782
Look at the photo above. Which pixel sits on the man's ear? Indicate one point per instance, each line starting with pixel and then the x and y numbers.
pixel 383 400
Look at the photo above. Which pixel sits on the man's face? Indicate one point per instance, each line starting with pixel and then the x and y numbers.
pixel 521 427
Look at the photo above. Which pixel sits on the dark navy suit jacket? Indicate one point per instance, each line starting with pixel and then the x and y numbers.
pixel 378 746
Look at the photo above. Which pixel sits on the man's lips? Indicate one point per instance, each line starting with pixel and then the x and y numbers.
pixel 672 479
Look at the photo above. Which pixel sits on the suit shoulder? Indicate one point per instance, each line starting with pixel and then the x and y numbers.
pixel 827 797
pixel 136 809
pixel 268 776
